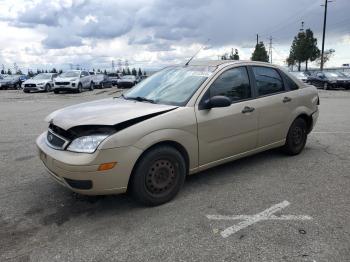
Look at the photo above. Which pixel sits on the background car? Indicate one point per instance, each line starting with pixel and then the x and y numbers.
pixel 11 81
pixel 127 81
pixel 102 81
pixel 302 76
pixel 329 80
pixel 114 78
pixel 74 81
pixel 40 82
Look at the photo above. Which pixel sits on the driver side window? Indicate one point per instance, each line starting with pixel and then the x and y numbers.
pixel 233 83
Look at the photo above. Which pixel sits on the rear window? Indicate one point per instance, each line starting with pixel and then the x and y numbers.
pixel 268 80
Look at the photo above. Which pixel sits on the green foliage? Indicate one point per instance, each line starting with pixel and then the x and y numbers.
pixel 9 72
pixel 133 72
pixel 304 49
pixel 139 72
pixel 260 53
pixel 2 71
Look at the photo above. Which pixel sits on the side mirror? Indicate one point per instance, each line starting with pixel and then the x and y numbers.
pixel 215 101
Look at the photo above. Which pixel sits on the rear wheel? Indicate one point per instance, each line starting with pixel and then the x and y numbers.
pixel 158 176
pixel 325 86
pixel 296 137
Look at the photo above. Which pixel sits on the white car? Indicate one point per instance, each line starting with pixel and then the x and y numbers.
pixel 74 81
pixel 40 82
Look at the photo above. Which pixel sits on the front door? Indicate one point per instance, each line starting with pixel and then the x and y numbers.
pixel 228 131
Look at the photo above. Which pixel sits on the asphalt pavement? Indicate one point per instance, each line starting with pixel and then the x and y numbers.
pixel 267 207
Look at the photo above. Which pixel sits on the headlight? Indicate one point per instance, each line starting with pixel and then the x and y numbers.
pixel 86 144
pixel 40 84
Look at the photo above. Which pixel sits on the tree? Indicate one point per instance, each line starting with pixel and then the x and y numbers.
pixel 19 72
pixel 139 72
pixel 134 72
pixel 304 48
pixel 9 72
pixel 60 71
pixel 105 72
pixel 128 71
pixel 144 73
pixel 290 61
pixel 260 53
pixel 123 72
pixel 224 56
pixel 234 55
pixel 326 57
pixel 2 71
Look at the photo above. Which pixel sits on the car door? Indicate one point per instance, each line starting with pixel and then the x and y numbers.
pixel 273 103
pixel 85 79
pixel 227 131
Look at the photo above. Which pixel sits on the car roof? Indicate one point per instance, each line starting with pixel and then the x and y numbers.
pixel 222 63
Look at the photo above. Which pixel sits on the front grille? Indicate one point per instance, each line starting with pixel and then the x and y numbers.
pixel 62 83
pixel 29 85
pixel 56 141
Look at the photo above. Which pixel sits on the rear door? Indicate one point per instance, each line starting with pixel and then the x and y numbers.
pixel 228 131
pixel 274 104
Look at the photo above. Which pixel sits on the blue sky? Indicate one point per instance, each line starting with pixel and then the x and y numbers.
pixel 156 33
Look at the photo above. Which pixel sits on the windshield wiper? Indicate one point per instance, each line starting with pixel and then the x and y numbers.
pixel 141 99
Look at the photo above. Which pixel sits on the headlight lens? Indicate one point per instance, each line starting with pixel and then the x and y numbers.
pixel 40 84
pixel 86 144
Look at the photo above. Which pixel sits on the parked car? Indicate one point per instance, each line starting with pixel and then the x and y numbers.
pixel 127 81
pixel 179 121
pixel 10 81
pixel 102 81
pixel 114 78
pixel 302 76
pixel 74 81
pixel 329 80
pixel 40 82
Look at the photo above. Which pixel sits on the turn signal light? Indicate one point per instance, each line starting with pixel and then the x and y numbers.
pixel 106 166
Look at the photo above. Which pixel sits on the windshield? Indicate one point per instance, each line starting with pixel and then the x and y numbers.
pixel 10 77
pixel 128 77
pixel 70 74
pixel 298 74
pixel 99 77
pixel 42 76
pixel 172 86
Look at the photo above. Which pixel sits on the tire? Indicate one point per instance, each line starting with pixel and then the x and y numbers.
pixel 80 88
pixel 325 86
pixel 17 86
pixel 25 91
pixel 47 88
pixel 91 88
pixel 158 176
pixel 296 137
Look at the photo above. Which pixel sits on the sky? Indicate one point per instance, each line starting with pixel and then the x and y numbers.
pixel 155 33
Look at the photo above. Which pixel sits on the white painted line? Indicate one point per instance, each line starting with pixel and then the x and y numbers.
pixel 248 220
pixel 335 132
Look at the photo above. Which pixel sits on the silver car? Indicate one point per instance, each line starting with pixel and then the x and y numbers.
pixel 73 81
pixel 40 82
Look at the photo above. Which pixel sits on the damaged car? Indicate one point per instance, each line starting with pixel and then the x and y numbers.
pixel 180 121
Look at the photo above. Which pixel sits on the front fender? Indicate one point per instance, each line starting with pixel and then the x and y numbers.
pixel 186 139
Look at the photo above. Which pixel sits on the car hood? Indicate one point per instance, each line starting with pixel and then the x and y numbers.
pixel 110 111
pixel 5 81
pixel 36 81
pixel 65 79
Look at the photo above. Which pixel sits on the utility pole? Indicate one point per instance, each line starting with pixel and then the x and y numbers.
pixel 113 67
pixel 270 49
pixel 324 31
pixel 257 38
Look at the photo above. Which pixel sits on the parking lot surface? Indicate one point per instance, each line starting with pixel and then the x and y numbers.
pixel 268 207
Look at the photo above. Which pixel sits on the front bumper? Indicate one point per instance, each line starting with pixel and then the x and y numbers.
pixel 37 88
pixel 314 118
pixel 78 171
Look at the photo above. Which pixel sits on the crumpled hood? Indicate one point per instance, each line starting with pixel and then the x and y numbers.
pixel 110 111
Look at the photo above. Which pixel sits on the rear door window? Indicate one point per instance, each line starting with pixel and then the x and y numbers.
pixel 268 81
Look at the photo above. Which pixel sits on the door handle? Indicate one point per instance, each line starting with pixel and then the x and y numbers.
pixel 247 109
pixel 286 99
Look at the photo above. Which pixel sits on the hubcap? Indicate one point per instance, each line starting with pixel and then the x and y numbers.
pixel 161 177
pixel 297 135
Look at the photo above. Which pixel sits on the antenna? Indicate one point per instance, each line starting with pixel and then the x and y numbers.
pixel 200 49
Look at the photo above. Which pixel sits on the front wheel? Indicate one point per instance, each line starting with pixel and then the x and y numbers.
pixel 158 176
pixel 47 88
pixel 91 88
pixel 296 137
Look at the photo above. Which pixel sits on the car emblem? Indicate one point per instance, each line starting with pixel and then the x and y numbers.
pixel 50 137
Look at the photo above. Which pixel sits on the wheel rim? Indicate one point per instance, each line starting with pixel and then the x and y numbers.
pixel 297 136
pixel 161 177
